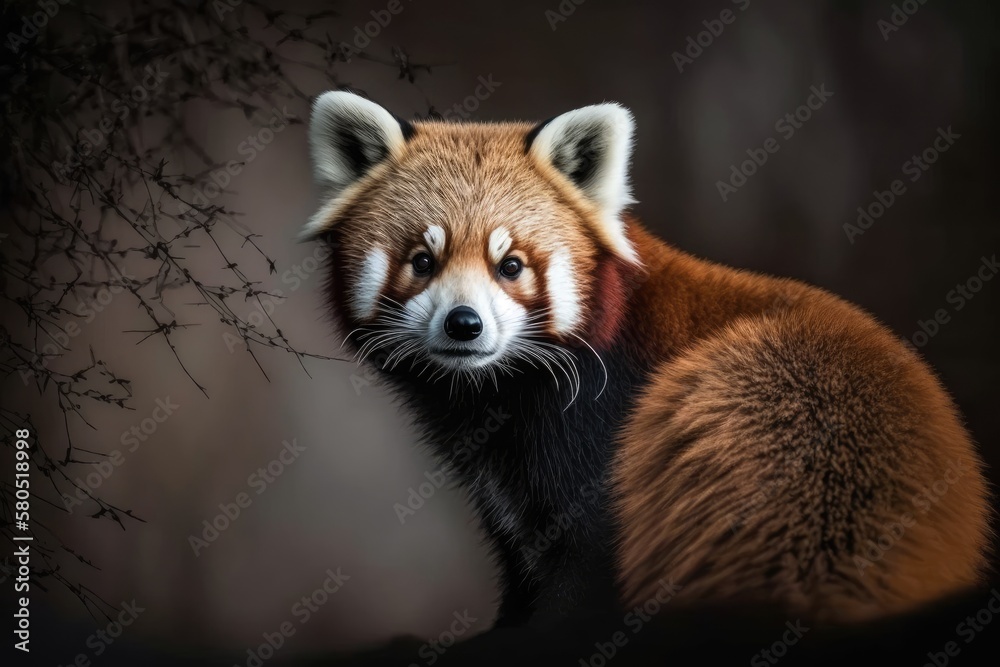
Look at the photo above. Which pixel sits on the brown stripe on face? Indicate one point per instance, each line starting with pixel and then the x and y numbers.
pixel 527 288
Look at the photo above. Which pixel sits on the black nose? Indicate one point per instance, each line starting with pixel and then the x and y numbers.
pixel 463 323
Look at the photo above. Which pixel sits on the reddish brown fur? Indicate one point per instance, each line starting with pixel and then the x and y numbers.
pixel 612 286
pixel 770 400
pixel 784 408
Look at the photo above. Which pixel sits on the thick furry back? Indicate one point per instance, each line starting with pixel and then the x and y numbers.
pixel 803 457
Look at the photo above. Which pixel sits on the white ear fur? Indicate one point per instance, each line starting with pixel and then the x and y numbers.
pixel 591 146
pixel 348 136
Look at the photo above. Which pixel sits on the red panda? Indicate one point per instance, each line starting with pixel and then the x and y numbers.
pixel 653 419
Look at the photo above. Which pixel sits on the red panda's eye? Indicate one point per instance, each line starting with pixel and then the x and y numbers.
pixel 422 264
pixel 511 267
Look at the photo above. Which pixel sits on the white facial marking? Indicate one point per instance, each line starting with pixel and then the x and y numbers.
pixel 435 238
pixel 420 306
pixel 509 314
pixel 501 316
pixel 372 277
pixel 563 292
pixel 499 244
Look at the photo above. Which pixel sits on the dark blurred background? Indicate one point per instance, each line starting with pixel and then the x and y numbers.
pixel 335 506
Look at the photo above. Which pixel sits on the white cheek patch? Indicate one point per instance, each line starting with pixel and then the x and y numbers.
pixel 371 279
pixel 421 306
pixel 499 244
pixel 507 311
pixel 435 239
pixel 474 289
pixel 563 292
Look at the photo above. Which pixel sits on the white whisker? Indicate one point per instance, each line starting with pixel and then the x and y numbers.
pixel 601 361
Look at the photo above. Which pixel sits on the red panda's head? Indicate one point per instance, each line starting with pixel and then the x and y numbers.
pixel 467 247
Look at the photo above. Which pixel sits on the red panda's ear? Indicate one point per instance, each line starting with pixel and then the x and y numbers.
pixel 591 146
pixel 349 136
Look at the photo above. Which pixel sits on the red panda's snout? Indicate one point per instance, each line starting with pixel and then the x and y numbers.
pixel 463 324
pixel 455 305
pixel 469 320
